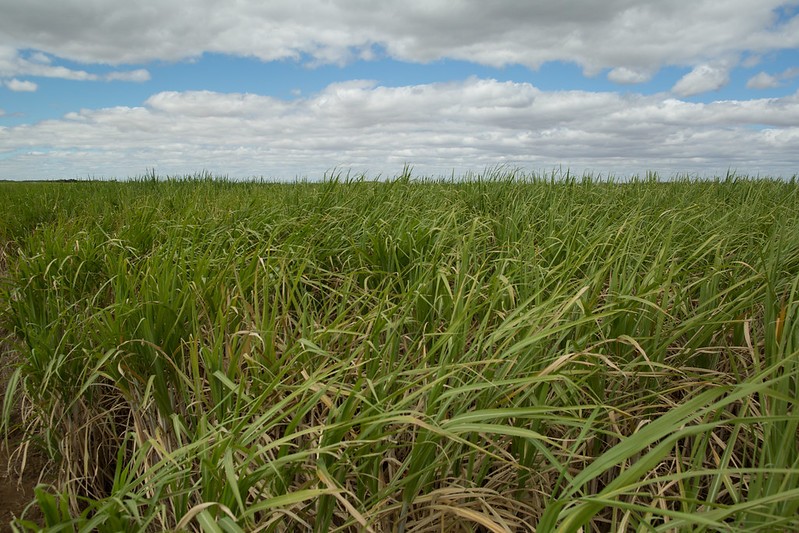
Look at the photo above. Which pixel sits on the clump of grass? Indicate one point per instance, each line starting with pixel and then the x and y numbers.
pixel 504 353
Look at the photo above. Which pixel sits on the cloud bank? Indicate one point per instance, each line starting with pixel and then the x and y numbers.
pixel 438 128
pixel 634 38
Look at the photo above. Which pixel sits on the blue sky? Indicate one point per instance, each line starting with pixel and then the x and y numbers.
pixel 287 89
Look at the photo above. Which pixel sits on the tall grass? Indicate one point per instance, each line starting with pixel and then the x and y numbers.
pixel 504 353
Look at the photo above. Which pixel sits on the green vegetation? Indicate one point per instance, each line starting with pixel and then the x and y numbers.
pixel 499 354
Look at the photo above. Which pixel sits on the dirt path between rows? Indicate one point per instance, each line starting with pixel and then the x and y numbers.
pixel 15 494
pixel 16 484
pixel 16 488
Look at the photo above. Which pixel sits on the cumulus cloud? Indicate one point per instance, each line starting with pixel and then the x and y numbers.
pixel 701 79
pixel 437 128
pixel 632 36
pixel 20 85
pixel 763 80
pixel 12 63
pixel 625 75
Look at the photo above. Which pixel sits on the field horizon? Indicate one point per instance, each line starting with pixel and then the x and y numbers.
pixel 500 172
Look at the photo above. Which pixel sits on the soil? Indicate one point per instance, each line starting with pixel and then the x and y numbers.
pixel 16 493
pixel 16 487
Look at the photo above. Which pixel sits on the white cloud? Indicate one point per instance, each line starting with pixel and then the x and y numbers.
pixel 435 127
pixel 12 63
pixel 38 57
pixel 138 75
pixel 701 79
pixel 628 76
pixel 637 35
pixel 20 85
pixel 762 80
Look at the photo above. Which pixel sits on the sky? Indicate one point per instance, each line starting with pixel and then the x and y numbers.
pixel 300 88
